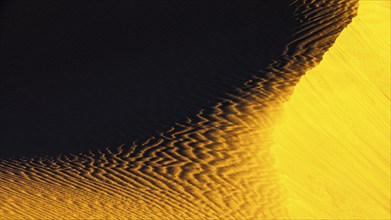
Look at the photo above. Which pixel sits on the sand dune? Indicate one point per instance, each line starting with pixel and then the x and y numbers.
pixel 333 143
pixel 219 164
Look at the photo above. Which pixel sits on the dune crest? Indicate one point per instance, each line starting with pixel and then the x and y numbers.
pixel 333 143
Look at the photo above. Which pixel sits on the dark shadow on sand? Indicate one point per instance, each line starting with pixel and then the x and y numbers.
pixel 80 75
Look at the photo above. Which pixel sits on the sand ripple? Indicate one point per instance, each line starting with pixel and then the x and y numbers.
pixel 216 165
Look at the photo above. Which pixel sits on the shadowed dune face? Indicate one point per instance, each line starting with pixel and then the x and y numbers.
pixel 86 75
pixel 214 164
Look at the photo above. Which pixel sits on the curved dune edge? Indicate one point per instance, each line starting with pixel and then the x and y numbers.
pixel 214 166
pixel 333 143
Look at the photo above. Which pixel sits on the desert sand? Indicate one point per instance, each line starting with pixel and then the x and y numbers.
pixel 333 141
pixel 266 150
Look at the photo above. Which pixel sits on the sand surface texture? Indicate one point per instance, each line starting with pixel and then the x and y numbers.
pixel 323 154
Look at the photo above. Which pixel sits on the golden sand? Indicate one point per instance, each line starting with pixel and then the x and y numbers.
pixel 333 147
pixel 225 164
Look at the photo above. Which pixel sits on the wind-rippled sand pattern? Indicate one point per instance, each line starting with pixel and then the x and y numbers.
pixel 216 165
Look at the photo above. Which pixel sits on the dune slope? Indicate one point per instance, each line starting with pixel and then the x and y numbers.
pixel 333 143
pixel 218 164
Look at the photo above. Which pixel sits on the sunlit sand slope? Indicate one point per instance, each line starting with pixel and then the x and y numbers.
pixel 334 139
pixel 216 165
